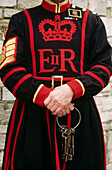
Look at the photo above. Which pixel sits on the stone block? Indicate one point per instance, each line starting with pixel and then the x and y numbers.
pixel 106 104
pixel 110 156
pixel 109 3
pixel 1 84
pixel 107 90
pixel 98 100
pixel 7 3
pixel 28 4
pixel 106 116
pixel 7 95
pixel 109 167
pixel 8 12
pixel 3 129
pixel 5 111
pixel 1 159
pixel 1 43
pixel 107 126
pixel 80 3
pixel 108 25
pixel 1 13
pixel 2 141
pixel 4 23
pixel 110 141
pixel 98 6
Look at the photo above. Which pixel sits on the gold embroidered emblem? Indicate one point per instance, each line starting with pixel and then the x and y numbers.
pixel 8 52
pixel 74 13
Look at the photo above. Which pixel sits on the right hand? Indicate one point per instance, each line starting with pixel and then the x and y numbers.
pixel 66 110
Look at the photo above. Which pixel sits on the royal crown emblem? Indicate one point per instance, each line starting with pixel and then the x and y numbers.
pixel 57 30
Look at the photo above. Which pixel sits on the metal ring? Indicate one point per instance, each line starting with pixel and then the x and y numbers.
pixel 61 126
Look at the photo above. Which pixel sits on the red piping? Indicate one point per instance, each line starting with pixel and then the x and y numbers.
pixel 31 41
pixel 10 134
pixel 19 124
pixel 20 82
pixel 12 72
pixel 47 116
pixel 57 79
pixel 83 39
pixel 8 163
pixel 56 148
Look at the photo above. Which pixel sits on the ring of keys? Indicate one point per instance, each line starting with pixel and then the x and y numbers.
pixel 68 138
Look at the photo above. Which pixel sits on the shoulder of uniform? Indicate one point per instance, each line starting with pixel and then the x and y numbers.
pixel 73 6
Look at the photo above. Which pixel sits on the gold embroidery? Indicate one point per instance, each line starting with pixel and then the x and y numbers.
pixel 10 41
pixel 10 47
pixel 35 95
pixel 7 60
pixel 10 53
pixel 81 85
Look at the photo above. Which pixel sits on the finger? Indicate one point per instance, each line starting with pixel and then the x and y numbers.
pixel 50 105
pixel 71 106
pixel 57 111
pixel 54 107
pixel 59 115
pixel 67 110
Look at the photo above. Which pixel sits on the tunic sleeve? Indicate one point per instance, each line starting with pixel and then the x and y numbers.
pixel 98 65
pixel 13 71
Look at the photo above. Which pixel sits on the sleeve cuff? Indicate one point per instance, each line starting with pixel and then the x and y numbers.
pixel 41 94
pixel 77 87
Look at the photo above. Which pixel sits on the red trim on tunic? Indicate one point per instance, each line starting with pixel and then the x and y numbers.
pixel 8 163
pixel 42 95
pixel 31 41
pixel 20 82
pixel 12 72
pixel 57 79
pixel 76 87
pixel 56 147
pixel 95 77
pixel 10 134
pixel 47 116
pixel 19 124
pixel 103 137
pixel 104 68
pixel 83 39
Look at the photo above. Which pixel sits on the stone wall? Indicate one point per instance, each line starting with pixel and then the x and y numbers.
pixel 103 100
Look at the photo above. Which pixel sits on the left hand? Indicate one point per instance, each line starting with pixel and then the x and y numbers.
pixel 59 98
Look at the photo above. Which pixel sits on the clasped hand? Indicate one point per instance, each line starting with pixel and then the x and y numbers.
pixel 59 100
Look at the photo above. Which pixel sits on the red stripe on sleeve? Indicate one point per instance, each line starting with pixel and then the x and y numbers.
pixel 95 77
pixel 31 41
pixel 20 82
pixel 12 72
pixel 104 68
pixel 83 39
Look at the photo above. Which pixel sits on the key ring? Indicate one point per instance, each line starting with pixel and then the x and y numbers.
pixel 73 129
